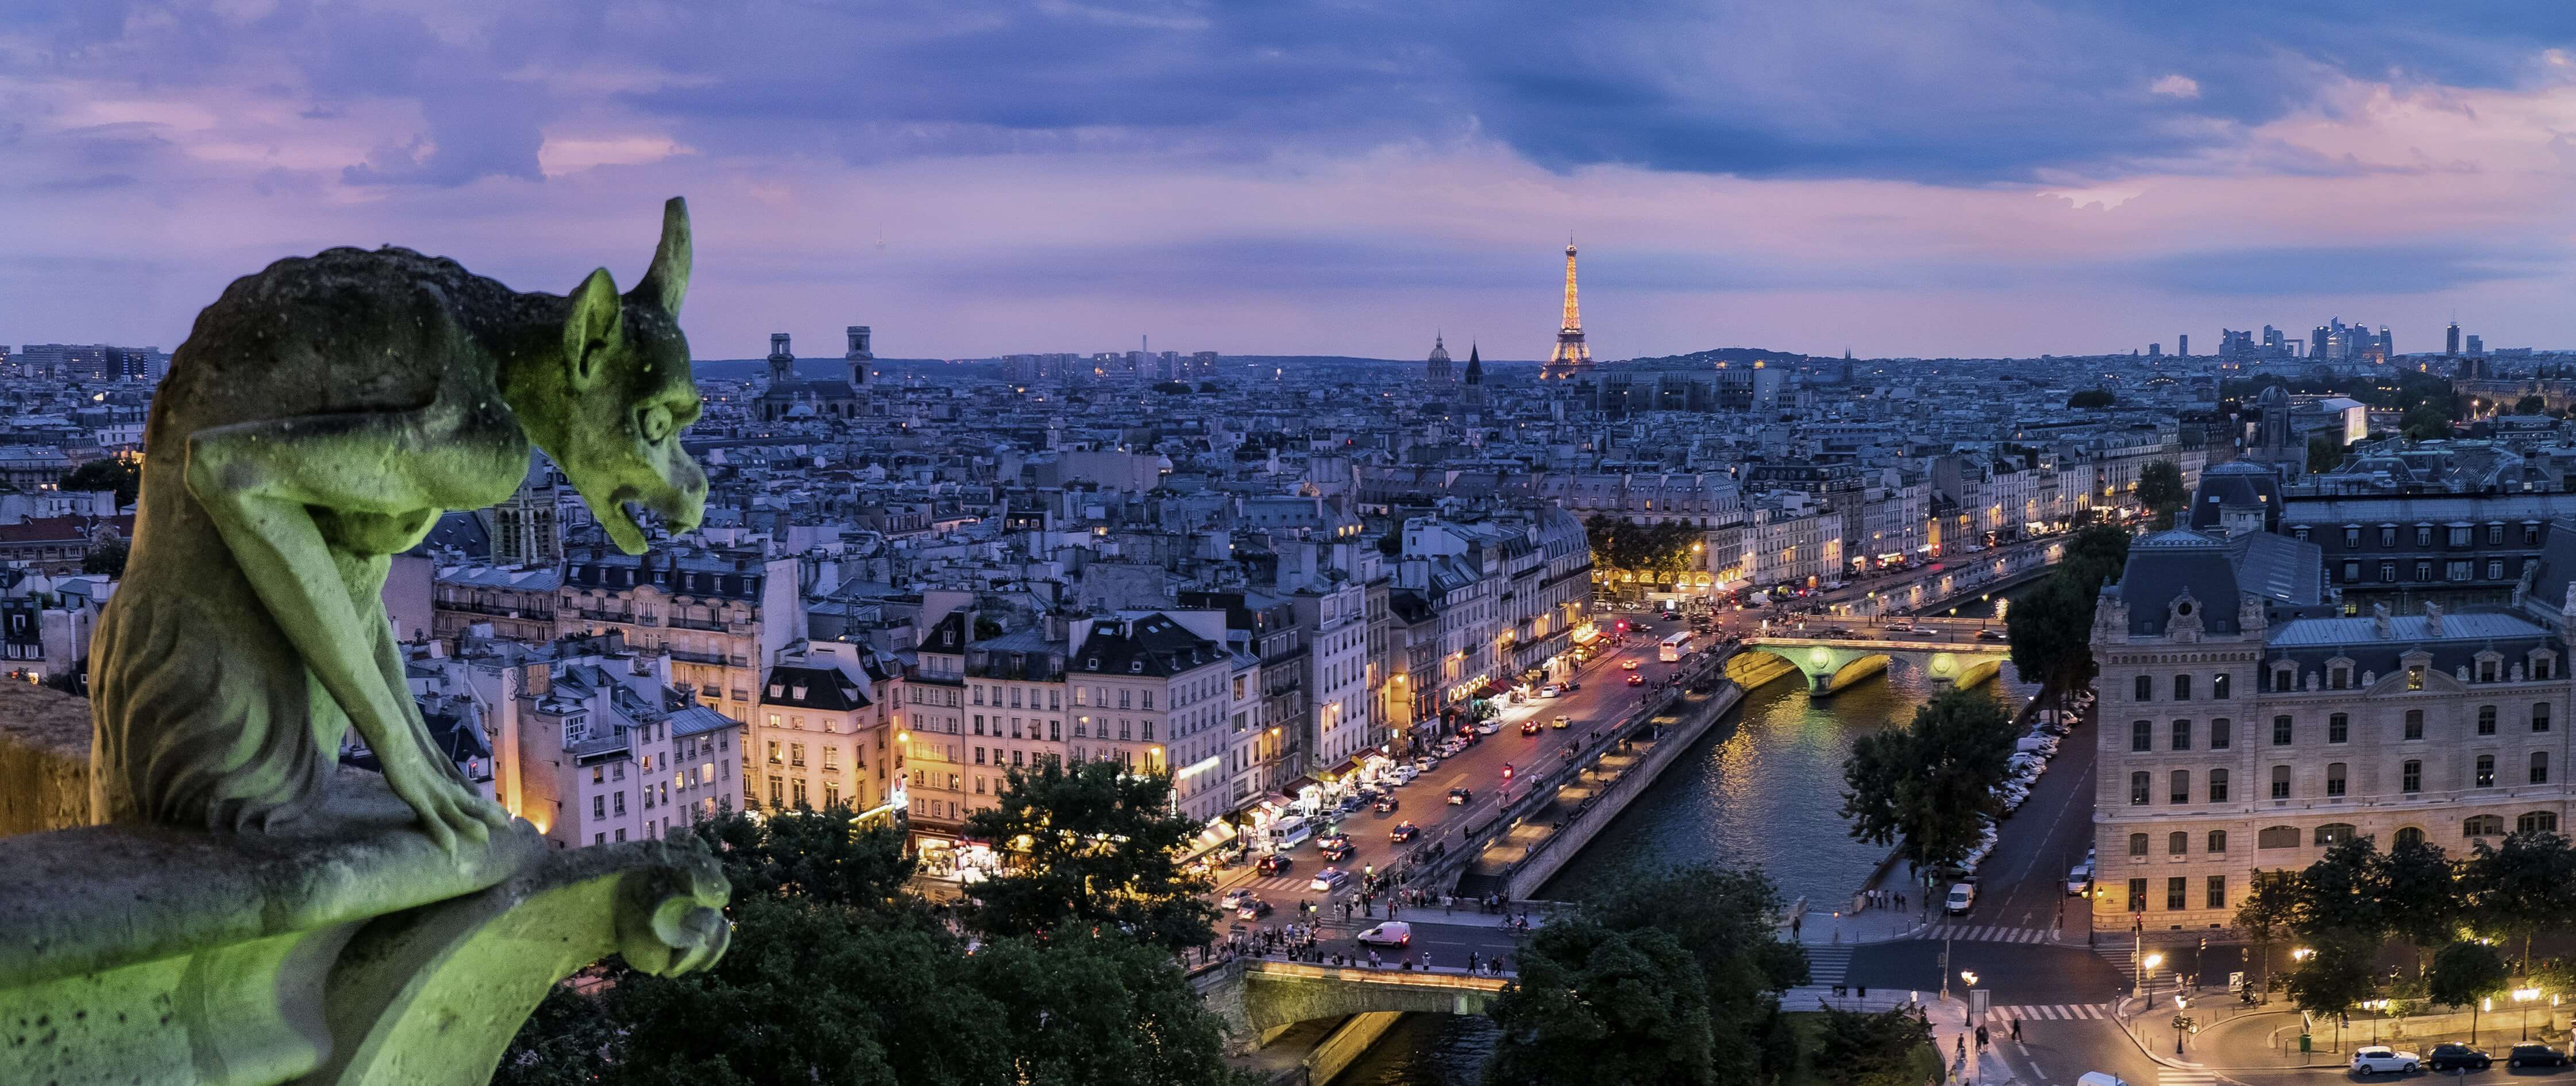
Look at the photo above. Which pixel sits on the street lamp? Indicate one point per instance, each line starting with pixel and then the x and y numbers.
pixel 2147 970
pixel 2524 996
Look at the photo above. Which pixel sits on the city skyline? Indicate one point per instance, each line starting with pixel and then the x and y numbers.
pixel 1068 176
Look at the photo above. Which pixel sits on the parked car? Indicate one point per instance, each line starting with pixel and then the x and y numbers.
pixel 1252 908
pixel 1328 880
pixel 1572 685
pixel 1458 797
pixel 2449 1057
pixel 2374 1059
pixel 1395 933
pixel 1551 690
pixel 1900 626
pixel 1275 864
pixel 1962 896
pixel 1386 804
pixel 1402 832
pixel 1405 773
pixel 1488 727
pixel 1635 679
pixel 1562 721
pixel 2079 879
pixel 2535 1056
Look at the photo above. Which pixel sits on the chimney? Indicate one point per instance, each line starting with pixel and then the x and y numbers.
pixel 537 680
pixel 2380 626
pixel 2433 620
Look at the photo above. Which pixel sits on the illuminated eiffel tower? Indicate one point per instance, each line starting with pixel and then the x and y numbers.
pixel 1571 356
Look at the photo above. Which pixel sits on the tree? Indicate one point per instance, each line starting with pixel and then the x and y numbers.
pixel 1856 1048
pixel 2270 911
pixel 1929 789
pixel 1207 386
pixel 1725 918
pixel 120 474
pixel 2160 491
pixel 2051 630
pixel 1172 388
pixel 2325 451
pixel 2341 895
pixel 2336 976
pixel 108 558
pixel 2522 887
pixel 2095 555
pixel 1093 846
pixel 2090 399
pixel 1594 1005
pixel 2426 421
pixel 2464 974
pixel 2420 895
pixel 2530 405
pixel 817 855
pixel 1098 1011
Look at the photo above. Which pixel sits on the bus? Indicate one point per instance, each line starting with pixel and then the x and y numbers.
pixel 1675 645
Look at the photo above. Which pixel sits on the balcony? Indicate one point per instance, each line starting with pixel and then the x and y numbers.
pixel 711 626
pixel 711 659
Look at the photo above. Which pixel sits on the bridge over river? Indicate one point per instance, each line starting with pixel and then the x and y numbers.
pixel 1832 656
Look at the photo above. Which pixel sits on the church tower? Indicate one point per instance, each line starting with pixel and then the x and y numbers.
pixel 782 362
pixel 1436 372
pixel 1571 355
pixel 1475 378
pixel 861 359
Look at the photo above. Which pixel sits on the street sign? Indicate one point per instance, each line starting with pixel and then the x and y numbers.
pixel 2236 981
pixel 1977 1004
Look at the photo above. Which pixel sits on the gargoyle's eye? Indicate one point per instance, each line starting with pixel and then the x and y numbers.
pixel 654 424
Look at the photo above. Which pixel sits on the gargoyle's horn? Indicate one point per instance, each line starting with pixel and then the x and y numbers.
pixel 667 281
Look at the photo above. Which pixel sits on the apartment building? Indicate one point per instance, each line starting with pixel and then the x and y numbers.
pixel 820 734
pixel 722 616
pixel 1153 690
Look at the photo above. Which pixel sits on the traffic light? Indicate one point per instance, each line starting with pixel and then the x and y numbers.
pixel 2204 942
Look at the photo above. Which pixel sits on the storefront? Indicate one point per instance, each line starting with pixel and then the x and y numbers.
pixel 1217 837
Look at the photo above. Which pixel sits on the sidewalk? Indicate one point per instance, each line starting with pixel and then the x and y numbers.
pixel 2234 1037
pixel 1825 927
pixel 1950 1027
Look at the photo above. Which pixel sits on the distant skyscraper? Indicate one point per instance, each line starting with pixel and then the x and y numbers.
pixel 2317 343
pixel 2182 345
pixel 2155 350
pixel 1436 372
pixel 1571 354
pixel 860 358
pixel 2451 341
pixel 2477 346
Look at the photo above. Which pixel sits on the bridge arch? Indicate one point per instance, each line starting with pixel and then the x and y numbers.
pixel 1832 665
pixel 1267 997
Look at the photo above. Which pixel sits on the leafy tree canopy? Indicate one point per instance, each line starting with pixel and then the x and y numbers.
pixel 2091 399
pixel 1594 1005
pixel 1091 847
pixel 116 473
pixel 1929 789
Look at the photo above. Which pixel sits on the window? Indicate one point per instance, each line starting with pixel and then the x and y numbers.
pixel 2177 843
pixel 2530 535
pixel 2495 569
pixel 2334 833
pixel 2411 777
pixel 2338 728
pixel 2414 723
pixel 2387 536
pixel 2410 835
pixel 2388 571
pixel 2351 572
pixel 2138 783
pixel 2280 782
pixel 2218 686
pixel 2414 676
pixel 774 758
pixel 2137 844
pixel 2334 778
pixel 2280 731
pixel 2277 837
pixel 2217 898
pixel 2486 671
pixel 617 802
pixel 2458 569
pixel 2351 538
pixel 2218 786
pixel 796 754
pixel 2536 822
pixel 2175 889
pixel 2540 716
pixel 2137 895
pixel 2424 569
pixel 2542 666
pixel 2486 772
pixel 2285 678
pixel 2181 790
pixel 599 806
pixel 2423 535
pixel 2182 688
pixel 2182 735
pixel 2218 842
pixel 2218 737
pixel 2486 720
pixel 2146 688
pixel 2142 736
pixel 2539 767
pixel 2482 826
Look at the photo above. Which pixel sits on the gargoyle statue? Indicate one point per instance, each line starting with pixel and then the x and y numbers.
pixel 319 418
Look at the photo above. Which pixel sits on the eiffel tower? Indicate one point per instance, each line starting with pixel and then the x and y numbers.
pixel 1571 355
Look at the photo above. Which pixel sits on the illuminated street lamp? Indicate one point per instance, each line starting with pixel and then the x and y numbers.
pixel 2524 996
pixel 2147 970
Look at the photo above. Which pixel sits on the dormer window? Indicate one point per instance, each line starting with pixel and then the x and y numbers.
pixel 1092 664
pixel 1135 667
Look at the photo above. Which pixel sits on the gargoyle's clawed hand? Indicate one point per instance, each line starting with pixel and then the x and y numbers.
pixel 451 813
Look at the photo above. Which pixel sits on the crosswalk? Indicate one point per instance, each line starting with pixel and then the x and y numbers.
pixel 2047 1012
pixel 2174 1076
pixel 1274 886
pixel 1827 965
pixel 1986 933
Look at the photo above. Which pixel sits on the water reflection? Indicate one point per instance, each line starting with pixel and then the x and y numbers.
pixel 1427 1050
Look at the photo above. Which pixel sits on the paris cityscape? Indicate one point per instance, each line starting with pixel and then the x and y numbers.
pixel 1148 543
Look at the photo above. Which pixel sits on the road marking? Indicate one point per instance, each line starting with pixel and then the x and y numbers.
pixel 2048 1012
pixel 2176 1077
pixel 1986 933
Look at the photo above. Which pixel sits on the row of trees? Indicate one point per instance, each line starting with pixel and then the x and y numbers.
pixel 1648 548
pixel 1060 971
pixel 1671 975
pixel 2348 905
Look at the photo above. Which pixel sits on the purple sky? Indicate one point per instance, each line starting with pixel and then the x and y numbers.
pixel 1940 177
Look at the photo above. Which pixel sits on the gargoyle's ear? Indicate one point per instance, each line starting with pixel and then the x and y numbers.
pixel 596 319
pixel 667 281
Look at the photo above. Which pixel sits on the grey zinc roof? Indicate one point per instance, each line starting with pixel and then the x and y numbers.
pixel 2403 629
pixel 2164 565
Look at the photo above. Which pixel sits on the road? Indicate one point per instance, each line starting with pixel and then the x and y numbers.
pixel 1603 699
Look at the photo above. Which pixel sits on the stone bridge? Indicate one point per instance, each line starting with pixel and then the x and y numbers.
pixel 1260 999
pixel 1832 663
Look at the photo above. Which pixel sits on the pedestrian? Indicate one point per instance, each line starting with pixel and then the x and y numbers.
pixel 1471 967
pixel 1793 927
pixel 2016 1024
pixel 1373 960
pixel 1426 961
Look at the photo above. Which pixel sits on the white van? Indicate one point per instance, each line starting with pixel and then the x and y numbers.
pixel 2101 1078
pixel 1289 832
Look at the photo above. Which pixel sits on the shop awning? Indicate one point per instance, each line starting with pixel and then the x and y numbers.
pixel 1216 833
pixel 1299 785
pixel 1343 770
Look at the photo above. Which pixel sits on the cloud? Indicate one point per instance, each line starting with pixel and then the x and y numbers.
pixel 2175 86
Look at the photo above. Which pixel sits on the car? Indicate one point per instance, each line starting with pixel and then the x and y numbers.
pixel 1572 685
pixel 1275 864
pixel 1328 880
pixel 1395 933
pixel 2450 1057
pixel 1252 908
pixel 1386 804
pixel 1335 850
pixel 1900 627
pixel 1635 679
pixel 2535 1056
pixel 2079 879
pixel 2373 1059
pixel 1458 797
pixel 1551 690
pixel 1402 832
pixel 1404 774
pixel 1962 895
pixel 1530 726
pixel 1627 665
pixel 1991 635
pixel 1561 722
pixel 1234 898
pixel 1488 727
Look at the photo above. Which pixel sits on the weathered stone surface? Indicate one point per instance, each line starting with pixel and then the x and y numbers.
pixel 44 759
